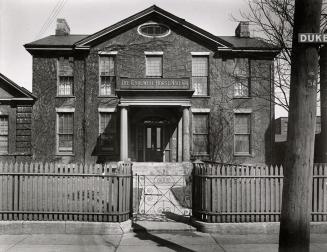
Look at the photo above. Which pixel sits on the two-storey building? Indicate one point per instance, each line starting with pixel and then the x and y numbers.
pixel 15 121
pixel 152 88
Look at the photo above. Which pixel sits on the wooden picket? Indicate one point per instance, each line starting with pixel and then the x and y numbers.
pixel 238 193
pixel 73 192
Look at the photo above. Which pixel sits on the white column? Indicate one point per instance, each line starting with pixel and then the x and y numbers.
pixel 123 134
pixel 186 134
pixel 180 141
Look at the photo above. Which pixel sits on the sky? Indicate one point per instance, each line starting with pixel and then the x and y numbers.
pixel 22 20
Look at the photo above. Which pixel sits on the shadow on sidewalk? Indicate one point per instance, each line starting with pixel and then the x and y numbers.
pixel 143 234
pixel 177 217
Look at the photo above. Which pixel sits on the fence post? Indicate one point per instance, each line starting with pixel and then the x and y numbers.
pixel 197 165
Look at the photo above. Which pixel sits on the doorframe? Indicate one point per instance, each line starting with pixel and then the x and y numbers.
pixel 171 116
pixel 154 125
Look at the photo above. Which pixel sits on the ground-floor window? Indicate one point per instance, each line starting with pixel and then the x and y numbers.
pixel 107 132
pixel 3 134
pixel 200 133
pixel 65 132
pixel 242 133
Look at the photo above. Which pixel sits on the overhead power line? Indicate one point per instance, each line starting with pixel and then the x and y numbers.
pixel 52 16
pixel 48 19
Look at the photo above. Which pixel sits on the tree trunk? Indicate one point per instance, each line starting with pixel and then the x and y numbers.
pixel 323 104
pixel 296 203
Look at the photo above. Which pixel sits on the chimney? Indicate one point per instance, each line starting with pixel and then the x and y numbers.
pixel 62 27
pixel 242 30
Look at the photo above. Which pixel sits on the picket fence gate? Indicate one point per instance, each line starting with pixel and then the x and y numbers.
pixel 37 191
pixel 237 193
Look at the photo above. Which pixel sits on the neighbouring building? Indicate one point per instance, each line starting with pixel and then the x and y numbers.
pixel 152 88
pixel 281 124
pixel 15 121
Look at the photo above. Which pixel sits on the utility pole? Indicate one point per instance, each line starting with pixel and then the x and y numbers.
pixel 323 103
pixel 296 203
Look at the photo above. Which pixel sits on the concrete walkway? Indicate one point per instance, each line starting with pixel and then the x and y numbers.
pixel 144 241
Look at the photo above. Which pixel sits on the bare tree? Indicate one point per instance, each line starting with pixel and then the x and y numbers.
pixel 272 21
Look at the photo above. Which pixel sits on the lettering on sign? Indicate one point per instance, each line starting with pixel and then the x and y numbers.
pixel 312 38
pixel 155 83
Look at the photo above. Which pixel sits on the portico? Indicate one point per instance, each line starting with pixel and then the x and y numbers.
pixel 155 119
pixel 155 133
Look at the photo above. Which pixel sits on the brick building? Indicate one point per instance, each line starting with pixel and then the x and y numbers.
pixel 152 88
pixel 15 121
pixel 281 125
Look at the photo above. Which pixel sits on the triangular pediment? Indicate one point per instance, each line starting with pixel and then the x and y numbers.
pixel 156 14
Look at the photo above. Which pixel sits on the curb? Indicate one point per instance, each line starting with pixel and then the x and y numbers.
pixel 151 226
pixel 64 227
pixel 250 228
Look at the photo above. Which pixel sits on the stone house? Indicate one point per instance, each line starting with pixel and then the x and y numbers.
pixel 152 88
pixel 15 121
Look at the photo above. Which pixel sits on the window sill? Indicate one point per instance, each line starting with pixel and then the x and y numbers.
pixel 242 97
pixel 65 154
pixel 201 96
pixel 107 154
pixel 65 96
pixel 15 154
pixel 107 96
pixel 243 155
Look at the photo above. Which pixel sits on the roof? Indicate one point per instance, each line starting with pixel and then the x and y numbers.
pixel 16 87
pixel 58 41
pixel 84 41
pixel 248 43
pixel 157 12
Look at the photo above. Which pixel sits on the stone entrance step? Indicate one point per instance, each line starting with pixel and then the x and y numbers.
pixel 160 168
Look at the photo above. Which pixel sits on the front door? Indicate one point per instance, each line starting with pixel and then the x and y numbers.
pixel 153 143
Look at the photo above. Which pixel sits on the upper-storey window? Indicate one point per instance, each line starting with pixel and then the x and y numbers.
pixel 242 78
pixel 3 134
pixel 153 66
pixel 153 30
pixel 200 75
pixel 65 76
pixel 107 75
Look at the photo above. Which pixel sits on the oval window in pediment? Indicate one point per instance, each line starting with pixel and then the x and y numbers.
pixel 153 30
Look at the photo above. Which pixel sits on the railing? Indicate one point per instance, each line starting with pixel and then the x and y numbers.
pixel 236 193
pixel 73 192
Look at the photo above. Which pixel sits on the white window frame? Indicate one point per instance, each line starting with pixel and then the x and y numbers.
pixel 60 111
pixel 238 80
pixel 204 111
pixel 250 114
pixel 58 79
pixel 153 36
pixel 158 54
pixel 111 111
pixel 111 54
pixel 7 117
pixel 200 55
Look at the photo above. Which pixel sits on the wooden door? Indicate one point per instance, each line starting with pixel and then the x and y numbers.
pixel 153 143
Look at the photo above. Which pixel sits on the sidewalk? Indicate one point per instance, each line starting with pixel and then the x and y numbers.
pixel 149 241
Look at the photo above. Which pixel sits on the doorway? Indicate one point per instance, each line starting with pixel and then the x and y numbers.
pixel 153 143
pixel 153 134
